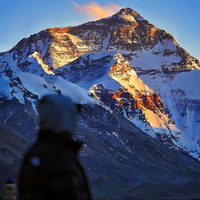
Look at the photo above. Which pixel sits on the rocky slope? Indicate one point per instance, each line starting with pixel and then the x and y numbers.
pixel 118 158
pixel 12 148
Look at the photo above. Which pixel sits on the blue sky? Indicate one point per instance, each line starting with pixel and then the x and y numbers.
pixel 21 18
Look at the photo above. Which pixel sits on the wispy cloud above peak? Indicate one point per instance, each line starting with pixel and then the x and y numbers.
pixel 94 11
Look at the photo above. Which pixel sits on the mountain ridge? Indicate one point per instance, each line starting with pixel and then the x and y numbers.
pixel 48 33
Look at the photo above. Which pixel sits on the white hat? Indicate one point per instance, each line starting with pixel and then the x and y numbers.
pixel 57 114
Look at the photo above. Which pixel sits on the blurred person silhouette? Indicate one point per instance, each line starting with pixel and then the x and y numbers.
pixel 50 169
pixel 9 189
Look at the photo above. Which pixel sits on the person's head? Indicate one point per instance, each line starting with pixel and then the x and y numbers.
pixel 57 114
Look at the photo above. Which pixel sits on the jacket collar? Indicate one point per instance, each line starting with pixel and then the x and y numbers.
pixel 61 138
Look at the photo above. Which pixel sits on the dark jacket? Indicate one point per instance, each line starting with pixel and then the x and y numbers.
pixel 50 170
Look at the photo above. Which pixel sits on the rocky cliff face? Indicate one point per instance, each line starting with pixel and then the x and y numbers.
pixel 141 105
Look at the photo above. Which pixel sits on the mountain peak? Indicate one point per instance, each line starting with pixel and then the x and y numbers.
pixel 127 11
pixel 127 14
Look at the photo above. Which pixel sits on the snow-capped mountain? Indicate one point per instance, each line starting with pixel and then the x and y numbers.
pixel 85 54
pixel 125 69
pixel 157 67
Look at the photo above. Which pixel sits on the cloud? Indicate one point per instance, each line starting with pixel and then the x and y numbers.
pixel 94 11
